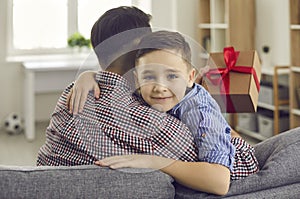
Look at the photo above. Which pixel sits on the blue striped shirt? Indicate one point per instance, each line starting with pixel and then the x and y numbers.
pixel 201 113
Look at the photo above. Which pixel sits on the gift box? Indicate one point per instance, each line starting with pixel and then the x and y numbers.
pixel 234 80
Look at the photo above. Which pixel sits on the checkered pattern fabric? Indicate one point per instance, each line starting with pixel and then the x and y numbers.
pixel 245 162
pixel 115 124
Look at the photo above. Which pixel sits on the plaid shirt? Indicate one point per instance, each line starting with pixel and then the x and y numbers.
pixel 115 124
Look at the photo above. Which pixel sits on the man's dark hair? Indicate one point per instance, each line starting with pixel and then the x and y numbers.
pixel 165 40
pixel 118 20
pixel 106 39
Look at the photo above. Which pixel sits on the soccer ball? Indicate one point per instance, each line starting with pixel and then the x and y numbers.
pixel 13 124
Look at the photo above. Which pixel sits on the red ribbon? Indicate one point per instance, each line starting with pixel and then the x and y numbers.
pixel 230 58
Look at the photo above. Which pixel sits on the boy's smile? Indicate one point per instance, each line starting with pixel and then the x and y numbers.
pixel 162 99
pixel 163 77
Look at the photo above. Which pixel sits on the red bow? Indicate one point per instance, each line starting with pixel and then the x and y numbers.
pixel 230 58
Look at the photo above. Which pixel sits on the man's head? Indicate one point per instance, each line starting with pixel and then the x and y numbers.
pixel 117 20
pixel 163 69
pixel 112 23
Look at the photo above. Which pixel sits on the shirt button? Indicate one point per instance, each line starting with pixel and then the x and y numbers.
pixel 203 135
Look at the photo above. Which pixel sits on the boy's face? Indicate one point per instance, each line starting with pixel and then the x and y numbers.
pixel 163 78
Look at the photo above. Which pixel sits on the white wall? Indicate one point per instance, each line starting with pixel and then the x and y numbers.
pixel 177 15
pixel 10 74
pixel 272 29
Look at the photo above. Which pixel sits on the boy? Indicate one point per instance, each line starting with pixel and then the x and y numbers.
pixel 165 79
pixel 84 139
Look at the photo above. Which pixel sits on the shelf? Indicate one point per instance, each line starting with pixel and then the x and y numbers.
pixel 272 107
pixel 295 31
pixel 295 111
pixel 295 62
pixel 294 99
pixel 295 69
pixel 252 134
pixel 270 71
pixel 224 26
pixel 213 26
pixel 224 23
pixel 295 27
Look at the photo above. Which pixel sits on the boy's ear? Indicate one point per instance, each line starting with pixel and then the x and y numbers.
pixel 192 77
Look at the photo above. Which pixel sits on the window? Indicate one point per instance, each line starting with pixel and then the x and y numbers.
pixel 43 26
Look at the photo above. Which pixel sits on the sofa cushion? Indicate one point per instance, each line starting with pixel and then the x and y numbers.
pixel 83 182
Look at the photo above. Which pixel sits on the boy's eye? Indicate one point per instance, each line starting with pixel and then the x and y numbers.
pixel 172 76
pixel 148 77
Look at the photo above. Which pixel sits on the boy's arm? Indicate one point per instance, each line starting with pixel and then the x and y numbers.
pixel 78 95
pixel 201 176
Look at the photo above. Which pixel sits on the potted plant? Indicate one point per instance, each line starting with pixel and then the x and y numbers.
pixel 78 41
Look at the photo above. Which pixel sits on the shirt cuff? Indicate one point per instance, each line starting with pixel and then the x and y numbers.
pixel 217 157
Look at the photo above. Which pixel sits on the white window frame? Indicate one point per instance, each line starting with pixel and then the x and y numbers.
pixel 72 27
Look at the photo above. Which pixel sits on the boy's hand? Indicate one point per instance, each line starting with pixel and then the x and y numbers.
pixel 135 161
pixel 78 94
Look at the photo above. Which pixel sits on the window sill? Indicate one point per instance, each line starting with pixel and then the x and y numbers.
pixel 51 57
pixel 81 61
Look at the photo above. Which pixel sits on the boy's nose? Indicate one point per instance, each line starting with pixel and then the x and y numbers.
pixel 159 88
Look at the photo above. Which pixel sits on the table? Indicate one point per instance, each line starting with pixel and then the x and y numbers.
pixel 48 76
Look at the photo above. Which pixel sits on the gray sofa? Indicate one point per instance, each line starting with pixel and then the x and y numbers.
pixel 279 177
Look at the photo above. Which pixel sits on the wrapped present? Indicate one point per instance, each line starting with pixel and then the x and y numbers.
pixel 234 80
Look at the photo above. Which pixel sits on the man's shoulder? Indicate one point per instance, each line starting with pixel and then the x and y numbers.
pixel 110 78
pixel 64 96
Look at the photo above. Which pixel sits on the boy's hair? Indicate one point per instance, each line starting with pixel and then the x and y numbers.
pixel 165 40
pixel 118 20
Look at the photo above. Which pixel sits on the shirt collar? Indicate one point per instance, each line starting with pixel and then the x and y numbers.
pixel 189 92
